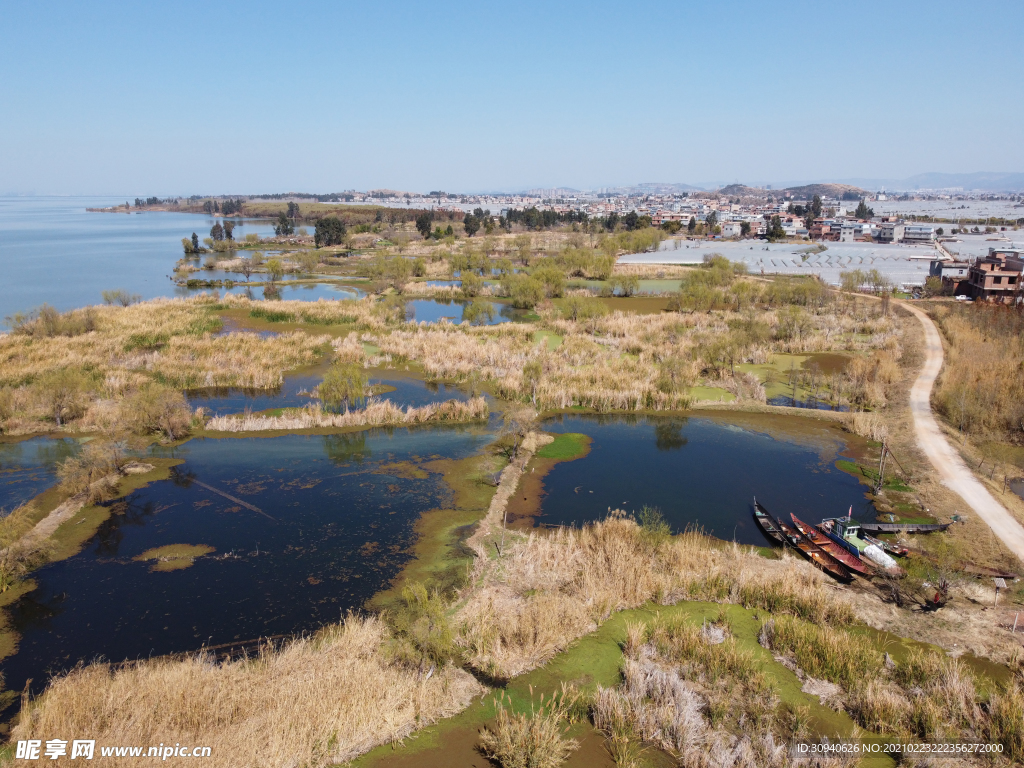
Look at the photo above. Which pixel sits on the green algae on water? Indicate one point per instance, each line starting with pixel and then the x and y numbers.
pixel 173 557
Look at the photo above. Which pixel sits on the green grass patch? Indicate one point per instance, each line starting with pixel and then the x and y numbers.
pixel 553 340
pixel 146 342
pixel 712 393
pixel 567 446
pixel 271 316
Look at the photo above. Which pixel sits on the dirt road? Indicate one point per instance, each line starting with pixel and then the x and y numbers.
pixel 947 462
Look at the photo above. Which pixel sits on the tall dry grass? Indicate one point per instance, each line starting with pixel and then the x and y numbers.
pixel 127 352
pixel 548 590
pixel 981 389
pixel 697 696
pixel 926 695
pixel 376 413
pixel 537 740
pixel 319 701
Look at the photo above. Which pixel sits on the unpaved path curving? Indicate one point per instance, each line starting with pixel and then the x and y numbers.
pixel 947 462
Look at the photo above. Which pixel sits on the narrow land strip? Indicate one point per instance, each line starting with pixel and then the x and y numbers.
pixel 954 473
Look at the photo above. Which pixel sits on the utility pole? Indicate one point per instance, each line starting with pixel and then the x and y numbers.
pixel 881 469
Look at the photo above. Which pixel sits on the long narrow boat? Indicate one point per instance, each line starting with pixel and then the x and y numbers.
pixel 904 527
pixel 764 520
pixel 887 546
pixel 839 552
pixel 811 551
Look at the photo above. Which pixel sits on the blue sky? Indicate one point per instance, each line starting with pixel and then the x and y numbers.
pixel 222 97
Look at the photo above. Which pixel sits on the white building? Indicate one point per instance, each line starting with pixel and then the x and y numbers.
pixel 919 233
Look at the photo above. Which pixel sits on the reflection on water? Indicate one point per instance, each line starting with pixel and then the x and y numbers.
pixel 286 292
pixel 698 471
pixel 298 390
pixel 55 251
pixel 819 405
pixel 29 467
pixel 435 310
pixel 1017 486
pixel 323 527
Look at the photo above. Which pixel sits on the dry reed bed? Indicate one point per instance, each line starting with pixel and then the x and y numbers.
pixel 376 413
pixel 319 701
pixel 168 338
pixel 83 378
pixel 550 589
pixel 981 390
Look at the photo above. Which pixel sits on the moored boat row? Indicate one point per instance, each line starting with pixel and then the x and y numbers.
pixel 838 546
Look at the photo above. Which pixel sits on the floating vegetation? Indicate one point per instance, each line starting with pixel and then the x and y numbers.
pixel 173 557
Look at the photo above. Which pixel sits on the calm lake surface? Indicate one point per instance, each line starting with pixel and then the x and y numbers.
pixel 29 467
pixel 343 512
pixel 435 310
pixel 700 471
pixel 52 250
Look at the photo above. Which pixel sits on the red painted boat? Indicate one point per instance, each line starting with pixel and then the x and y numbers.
pixel 814 553
pixel 843 555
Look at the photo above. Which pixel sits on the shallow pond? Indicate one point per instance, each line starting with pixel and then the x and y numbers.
pixel 315 526
pixel 398 387
pixel 653 286
pixel 29 467
pixel 285 292
pixel 699 471
pixel 1017 486
pixel 435 310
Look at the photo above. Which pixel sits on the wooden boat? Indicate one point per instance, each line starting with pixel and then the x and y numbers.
pixel 892 549
pixel 903 527
pixel 764 520
pixel 850 559
pixel 846 532
pixel 811 551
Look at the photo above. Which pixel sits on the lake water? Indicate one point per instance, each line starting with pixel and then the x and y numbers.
pixel 52 250
pixel 28 467
pixel 404 391
pixel 343 516
pixel 435 310
pixel 700 471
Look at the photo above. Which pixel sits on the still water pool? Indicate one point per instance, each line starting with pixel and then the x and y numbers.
pixel 315 525
pixel 29 467
pixel 435 310
pixel 401 389
pixel 701 471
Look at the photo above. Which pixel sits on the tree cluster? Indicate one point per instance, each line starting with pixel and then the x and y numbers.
pixel 330 230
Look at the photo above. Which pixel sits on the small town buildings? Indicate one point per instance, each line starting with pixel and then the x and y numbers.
pixel 918 233
pixel 890 232
pixel 952 273
pixel 731 229
pixel 997 277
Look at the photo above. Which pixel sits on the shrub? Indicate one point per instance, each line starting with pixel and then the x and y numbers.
pixel 553 281
pixel 536 740
pixel 121 297
pixel 478 313
pixel 524 291
pixel 156 409
pixel 578 308
pixel 472 284
pixel 63 393
pixel 343 385
pixel 98 460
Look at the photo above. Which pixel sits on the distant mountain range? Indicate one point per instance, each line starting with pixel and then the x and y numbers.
pixel 969 182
